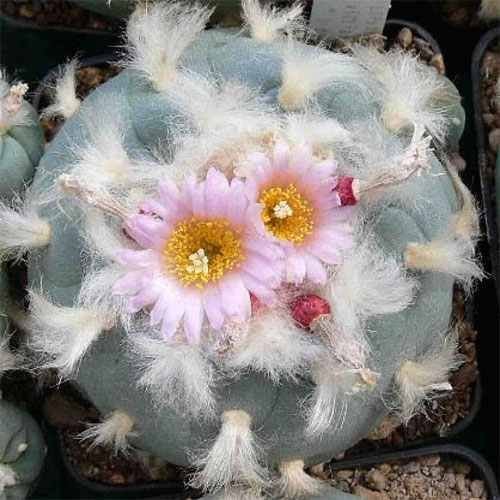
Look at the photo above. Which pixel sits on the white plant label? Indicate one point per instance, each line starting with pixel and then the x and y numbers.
pixel 347 18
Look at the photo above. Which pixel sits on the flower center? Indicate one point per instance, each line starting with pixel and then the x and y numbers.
pixel 286 213
pixel 202 251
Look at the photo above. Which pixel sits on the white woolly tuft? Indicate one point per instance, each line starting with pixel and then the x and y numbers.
pixel 453 252
pixel 225 117
pixel 175 374
pixel 233 458
pixel 65 101
pixel 228 108
pixel 114 432
pixel 315 130
pixel 295 483
pixel 426 378
pixel 327 408
pixel 62 335
pixel 102 160
pixel 13 112
pixel 447 254
pixel 405 105
pixel 272 343
pixel 8 360
pixel 21 229
pixel 158 35
pixel 367 283
pixel 490 10
pixel 305 73
pixel 8 477
pixel 267 23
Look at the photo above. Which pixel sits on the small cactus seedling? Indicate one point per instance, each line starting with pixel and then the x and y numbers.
pixel 250 246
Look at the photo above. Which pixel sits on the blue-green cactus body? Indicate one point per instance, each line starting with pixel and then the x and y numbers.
pixel 21 148
pixel 22 450
pixel 107 376
pixel 22 447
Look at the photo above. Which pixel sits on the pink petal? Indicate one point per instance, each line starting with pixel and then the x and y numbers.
pixel 237 202
pixel 171 318
pixel 147 231
pixel 325 252
pixel 259 162
pixel 295 268
pixel 258 288
pixel 216 189
pixel 315 270
pixel 235 297
pixel 262 269
pixel 129 284
pixel 264 248
pixel 326 168
pixel 193 318
pixel 281 155
pixel 169 192
pixel 153 207
pixel 301 158
pixel 213 308
pixel 136 258
pixel 196 194
pixel 145 297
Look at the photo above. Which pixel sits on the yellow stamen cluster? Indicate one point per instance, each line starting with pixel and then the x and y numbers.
pixel 287 214
pixel 202 251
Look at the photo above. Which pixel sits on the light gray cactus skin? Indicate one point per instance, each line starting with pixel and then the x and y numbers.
pixel 17 429
pixel 107 375
pixel 22 448
pixel 21 148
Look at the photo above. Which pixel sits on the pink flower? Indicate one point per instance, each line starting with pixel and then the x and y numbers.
pixel 201 257
pixel 299 207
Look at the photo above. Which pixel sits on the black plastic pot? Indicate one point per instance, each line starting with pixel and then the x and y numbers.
pixel 80 487
pixel 28 53
pixel 25 23
pixel 487 181
pixel 481 468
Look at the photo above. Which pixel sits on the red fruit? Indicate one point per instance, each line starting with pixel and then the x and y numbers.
pixel 346 191
pixel 307 308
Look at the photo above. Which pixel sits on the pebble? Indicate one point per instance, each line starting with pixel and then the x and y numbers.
pixel 431 460
pixel 344 474
pixel 376 479
pixel 405 38
pixel 367 494
pixel 437 62
pixel 477 488
pixel 411 467
pixel 460 483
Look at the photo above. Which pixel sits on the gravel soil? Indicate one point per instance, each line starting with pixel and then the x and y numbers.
pixel 490 109
pixel 55 14
pixel 440 477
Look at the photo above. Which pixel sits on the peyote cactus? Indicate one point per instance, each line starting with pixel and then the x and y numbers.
pixel 244 247
pixel 22 448
pixel 21 138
